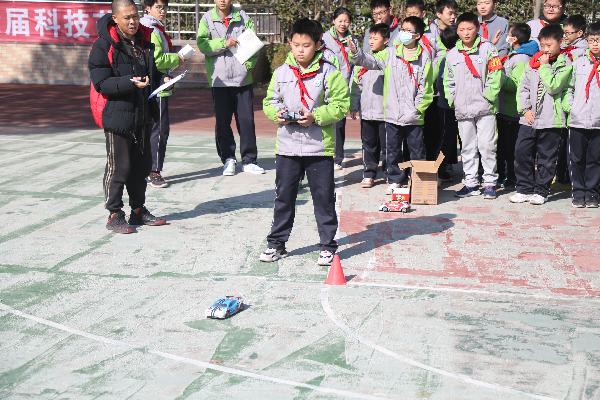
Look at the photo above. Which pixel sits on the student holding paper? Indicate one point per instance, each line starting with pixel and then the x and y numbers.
pixel 165 59
pixel 231 83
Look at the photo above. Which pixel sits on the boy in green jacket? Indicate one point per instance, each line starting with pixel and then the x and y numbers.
pixel 165 59
pixel 316 92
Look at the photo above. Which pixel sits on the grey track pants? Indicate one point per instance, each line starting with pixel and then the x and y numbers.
pixel 478 136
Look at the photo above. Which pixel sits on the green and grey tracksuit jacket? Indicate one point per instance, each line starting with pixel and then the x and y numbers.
pixel 162 57
pixel 584 110
pixel 366 94
pixel 514 70
pixel 327 98
pixel 549 113
pixel 222 67
pixel 330 40
pixel 406 94
pixel 473 96
pixel 575 49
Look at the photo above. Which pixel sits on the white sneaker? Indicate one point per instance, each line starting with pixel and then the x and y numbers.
pixel 325 258
pixel 229 168
pixel 337 167
pixel 537 199
pixel 520 198
pixel 253 169
pixel 271 255
pixel 391 188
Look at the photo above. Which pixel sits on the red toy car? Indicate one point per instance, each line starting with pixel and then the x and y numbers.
pixel 398 206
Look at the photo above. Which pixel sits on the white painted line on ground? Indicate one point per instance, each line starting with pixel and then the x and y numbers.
pixel 329 311
pixel 472 291
pixel 35 152
pixel 186 360
pixel 9 95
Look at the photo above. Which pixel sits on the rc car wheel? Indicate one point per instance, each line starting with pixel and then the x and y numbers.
pixel 405 210
pixel 385 209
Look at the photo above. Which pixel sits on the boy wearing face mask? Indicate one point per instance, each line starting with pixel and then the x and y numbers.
pixel 508 118
pixel 408 83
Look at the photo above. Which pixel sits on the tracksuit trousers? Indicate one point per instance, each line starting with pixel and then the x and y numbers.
pixel 319 172
pixel 508 131
pixel 394 134
pixel 448 138
pixel 562 164
pixel 546 144
pixel 372 134
pixel 128 163
pixel 431 131
pixel 238 101
pixel 340 138
pixel 160 134
pixel 478 136
pixel 584 158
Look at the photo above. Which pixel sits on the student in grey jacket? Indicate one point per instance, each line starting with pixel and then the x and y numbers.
pixel 575 44
pixel 381 10
pixel 554 14
pixel 231 84
pixel 539 100
pixel 581 101
pixel 492 27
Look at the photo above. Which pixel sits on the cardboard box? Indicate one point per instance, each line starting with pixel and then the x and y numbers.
pixel 424 180
pixel 401 194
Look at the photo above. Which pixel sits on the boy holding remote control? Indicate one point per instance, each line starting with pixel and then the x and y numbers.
pixel 307 84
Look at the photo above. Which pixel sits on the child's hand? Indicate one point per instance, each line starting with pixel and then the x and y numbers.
pixel 496 37
pixel 529 117
pixel 280 118
pixel 307 119
pixel 141 83
pixel 181 60
pixel 352 46
pixel 353 114
pixel 544 59
pixel 231 42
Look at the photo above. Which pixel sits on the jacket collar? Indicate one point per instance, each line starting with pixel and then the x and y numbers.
pixel 107 29
pixel 591 57
pixel 150 21
pixel 234 14
pixel 314 65
pixel 400 52
pixel 460 47
pixel 529 48
pixel 489 21
pixel 334 34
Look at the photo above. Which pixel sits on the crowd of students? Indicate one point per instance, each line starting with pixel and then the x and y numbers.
pixel 519 99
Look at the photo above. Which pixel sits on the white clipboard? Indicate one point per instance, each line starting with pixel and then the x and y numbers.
pixel 248 45
pixel 166 85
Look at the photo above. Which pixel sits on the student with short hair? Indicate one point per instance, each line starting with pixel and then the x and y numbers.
pixel 522 49
pixel 553 14
pixel 582 102
pixel 408 92
pixel 574 44
pixel 336 39
pixel 539 100
pixel 231 84
pixel 492 27
pixel 472 82
pixel 367 100
pixel 381 10
pixel 165 59
pixel 309 84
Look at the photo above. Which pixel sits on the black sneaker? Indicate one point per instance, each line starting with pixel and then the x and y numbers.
pixel 578 202
pixel 155 179
pixel 445 177
pixel 591 201
pixel 116 222
pixel 142 216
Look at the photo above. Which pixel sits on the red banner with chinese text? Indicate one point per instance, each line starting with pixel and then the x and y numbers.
pixel 40 22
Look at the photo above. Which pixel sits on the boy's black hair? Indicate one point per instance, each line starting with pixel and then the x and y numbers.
pixel 468 17
pixel 382 29
pixel 319 27
pixel 417 23
pixel 340 11
pixel 594 29
pixel 551 32
pixel 305 26
pixel 151 3
pixel 441 5
pixel 578 23
pixel 416 3
pixel 380 3
pixel 522 32
pixel 449 37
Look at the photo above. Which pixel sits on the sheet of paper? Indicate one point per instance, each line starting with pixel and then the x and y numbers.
pixel 248 45
pixel 187 51
pixel 166 85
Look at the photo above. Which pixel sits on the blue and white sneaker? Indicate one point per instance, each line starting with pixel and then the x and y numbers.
pixel 253 169
pixel 229 168
pixel 467 191
pixel 489 192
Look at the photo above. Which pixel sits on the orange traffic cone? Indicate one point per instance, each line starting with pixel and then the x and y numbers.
pixel 336 274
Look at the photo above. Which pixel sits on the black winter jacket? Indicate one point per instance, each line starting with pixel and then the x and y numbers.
pixel 119 113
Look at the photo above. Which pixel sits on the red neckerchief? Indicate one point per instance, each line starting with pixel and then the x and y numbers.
pixel 394 23
pixel 410 69
pixel 469 62
pixel 427 43
pixel 226 21
pixel 592 74
pixel 568 51
pixel 343 51
pixel 361 73
pixel 160 28
pixel 544 23
pixel 299 75
pixel 484 33
pixel 535 60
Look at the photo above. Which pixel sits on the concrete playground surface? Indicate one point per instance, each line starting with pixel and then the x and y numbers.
pixel 469 299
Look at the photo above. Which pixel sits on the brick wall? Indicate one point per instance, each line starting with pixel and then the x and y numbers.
pixel 66 64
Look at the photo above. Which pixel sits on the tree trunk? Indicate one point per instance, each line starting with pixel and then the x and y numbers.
pixel 538 9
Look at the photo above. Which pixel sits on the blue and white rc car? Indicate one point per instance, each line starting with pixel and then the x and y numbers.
pixel 224 308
